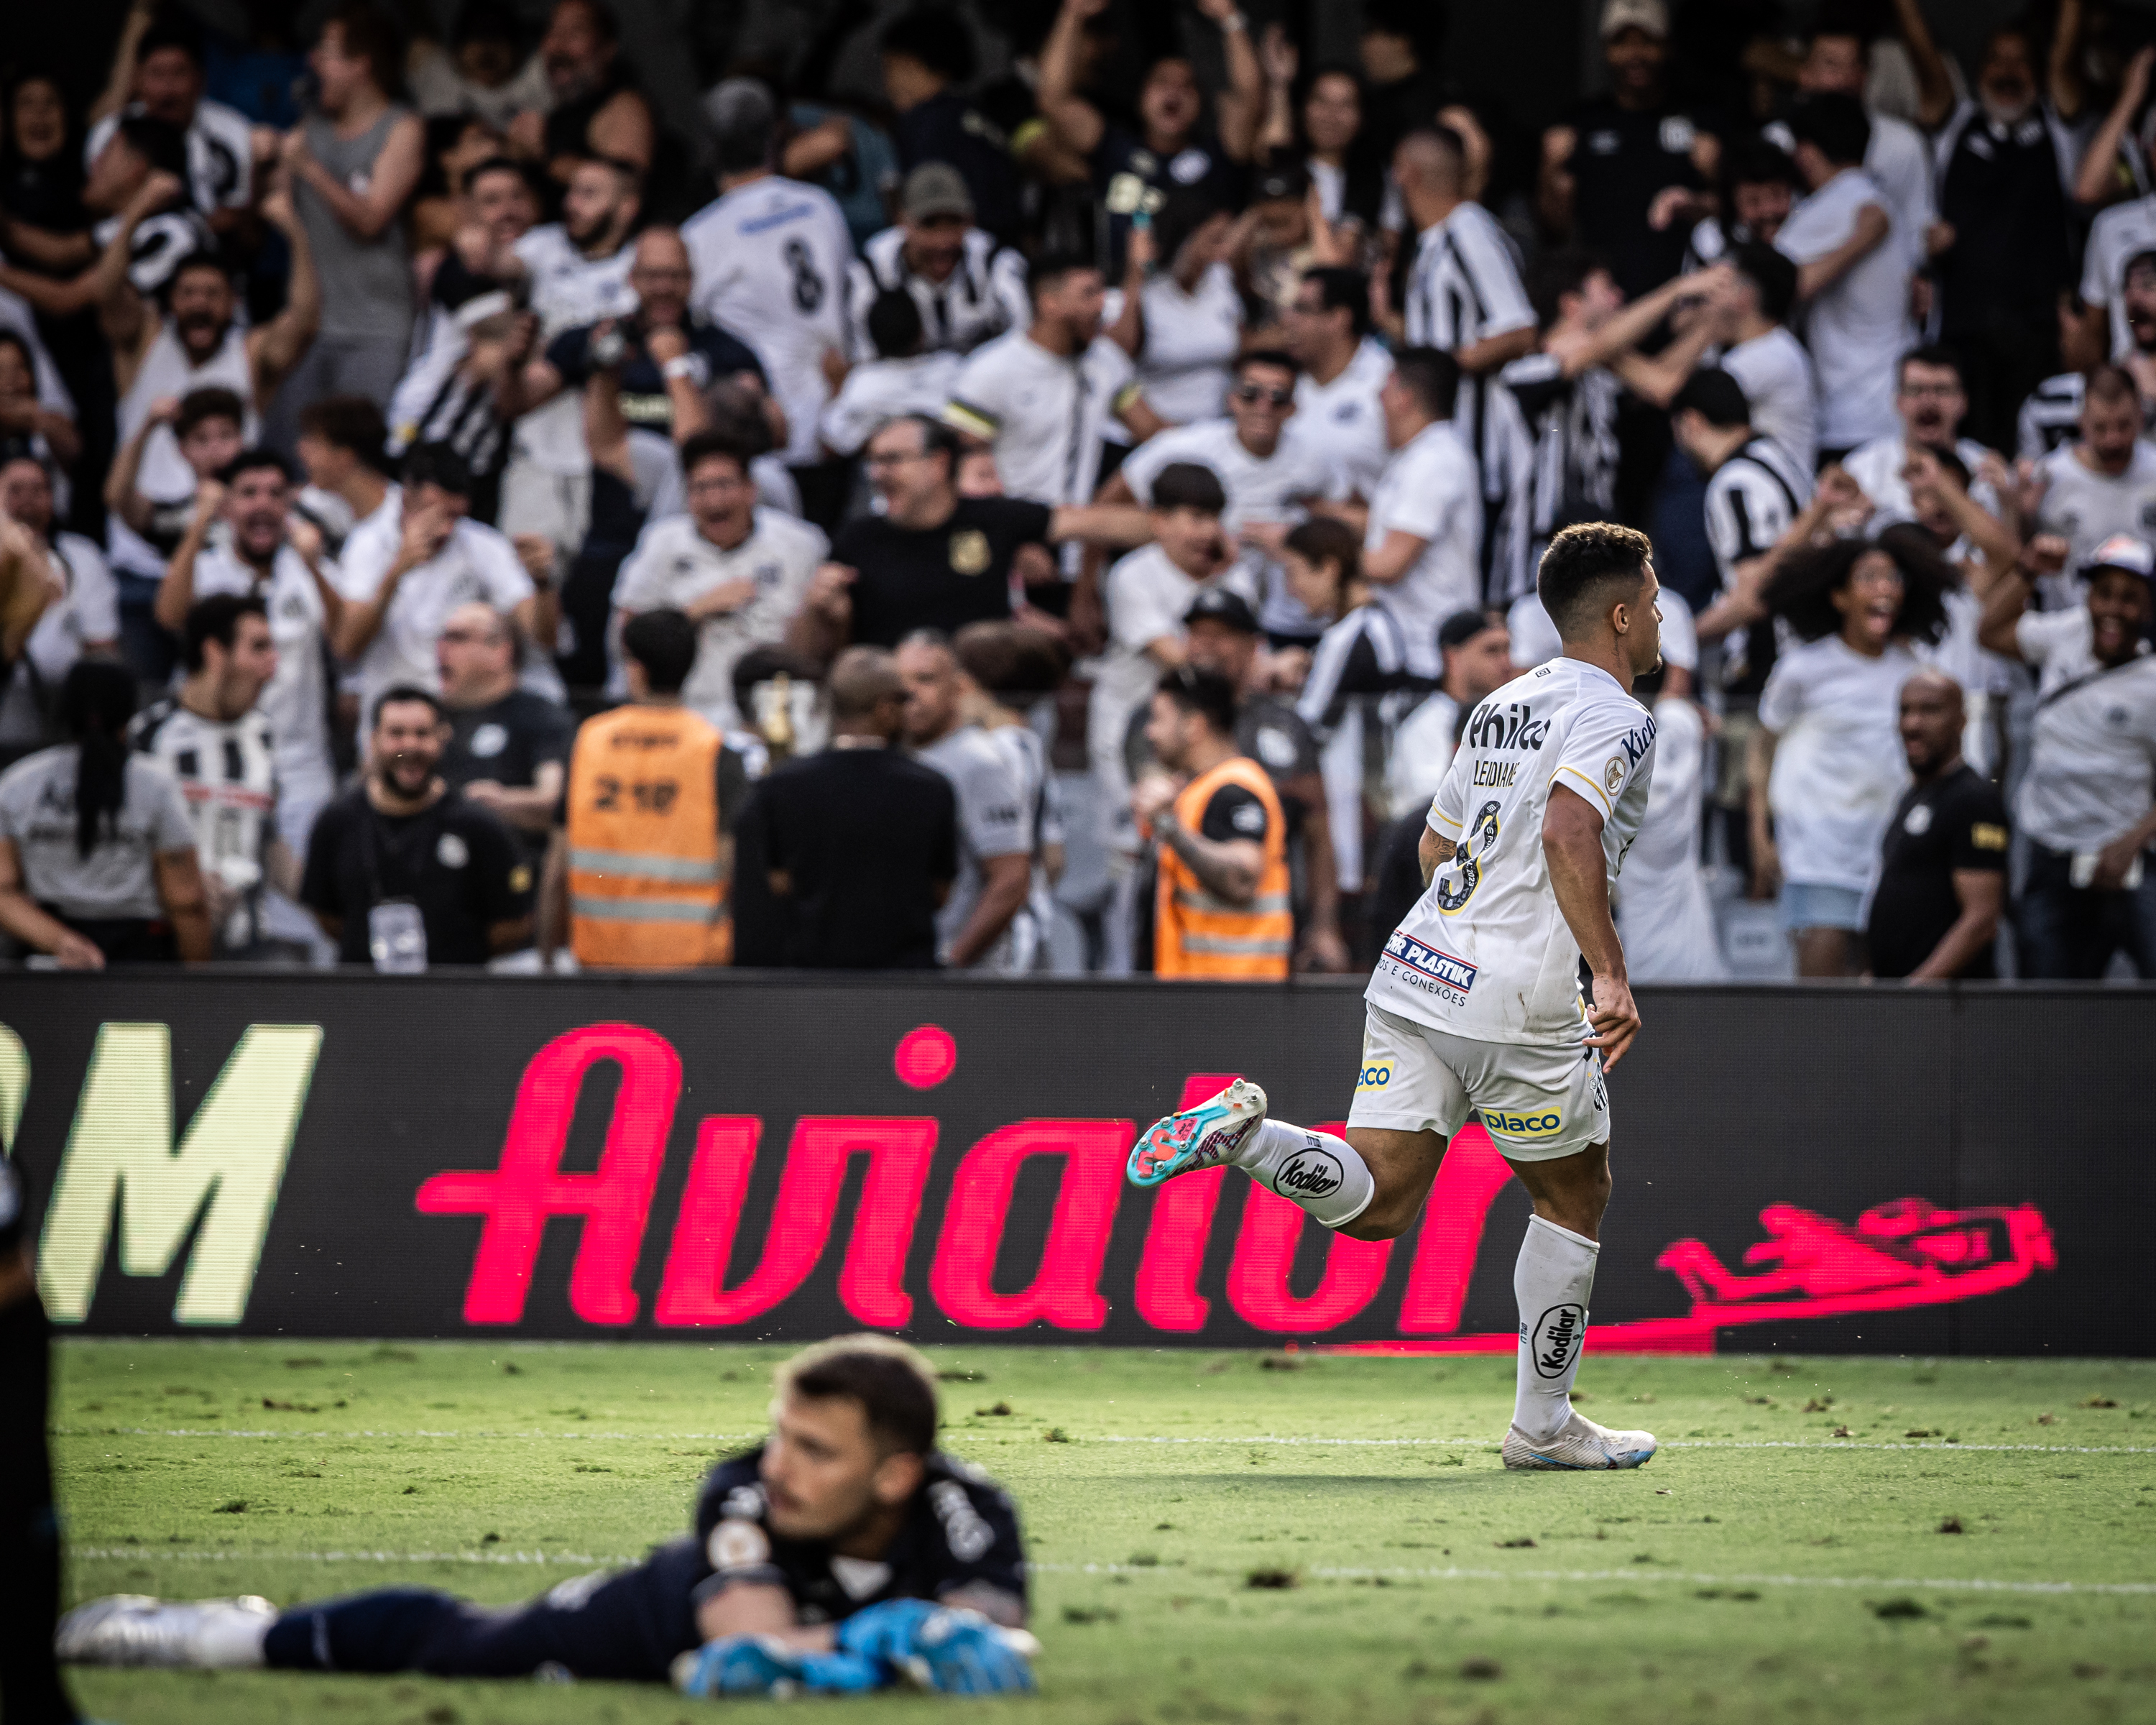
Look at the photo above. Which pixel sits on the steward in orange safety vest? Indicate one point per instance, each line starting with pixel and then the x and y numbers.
pixel 1221 908
pixel 645 854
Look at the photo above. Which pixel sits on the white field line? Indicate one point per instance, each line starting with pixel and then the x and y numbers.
pixel 1346 1443
pixel 150 1553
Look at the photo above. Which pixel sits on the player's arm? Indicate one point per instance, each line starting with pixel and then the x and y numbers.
pixel 1434 852
pixel 1579 876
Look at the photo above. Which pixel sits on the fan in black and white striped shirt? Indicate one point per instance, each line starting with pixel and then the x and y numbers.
pixel 212 737
pixel 448 396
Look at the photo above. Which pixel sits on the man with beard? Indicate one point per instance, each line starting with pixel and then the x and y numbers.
pixel 597 111
pixel 157 72
pixel 1931 404
pixel 271 555
pixel 401 874
pixel 2052 413
pixel 2085 801
pixel 1325 330
pixel 969 289
pixel 2006 168
pixel 2104 482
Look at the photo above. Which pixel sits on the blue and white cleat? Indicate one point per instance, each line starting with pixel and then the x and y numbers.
pixel 1198 1137
pixel 1582 1445
pixel 194 1634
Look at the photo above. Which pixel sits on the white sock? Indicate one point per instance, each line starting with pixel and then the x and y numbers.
pixel 1552 1280
pixel 230 1637
pixel 1321 1173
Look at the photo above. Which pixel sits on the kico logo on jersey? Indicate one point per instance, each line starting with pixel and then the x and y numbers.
pixel 1502 1125
pixel 1512 725
pixel 1636 743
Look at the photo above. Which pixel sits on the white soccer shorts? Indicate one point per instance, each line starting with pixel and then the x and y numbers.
pixel 1537 1103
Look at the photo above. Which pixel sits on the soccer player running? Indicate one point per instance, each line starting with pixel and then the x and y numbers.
pixel 1475 1005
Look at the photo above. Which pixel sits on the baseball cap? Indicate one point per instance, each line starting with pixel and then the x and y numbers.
pixel 2122 551
pixel 1652 16
pixel 1462 627
pixel 935 188
pixel 1217 604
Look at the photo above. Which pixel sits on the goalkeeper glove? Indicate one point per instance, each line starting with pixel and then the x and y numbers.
pixel 764 1665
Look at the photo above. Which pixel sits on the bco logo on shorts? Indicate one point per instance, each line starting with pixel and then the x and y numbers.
pixel 1522 1126
pixel 1375 1077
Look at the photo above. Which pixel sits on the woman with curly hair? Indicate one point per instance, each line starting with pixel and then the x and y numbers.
pixel 1826 766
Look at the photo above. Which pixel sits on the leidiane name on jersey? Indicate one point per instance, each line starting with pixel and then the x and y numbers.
pixel 1426 968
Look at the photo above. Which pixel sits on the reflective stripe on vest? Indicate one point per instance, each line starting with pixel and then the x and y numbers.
pixel 1198 933
pixel 648 868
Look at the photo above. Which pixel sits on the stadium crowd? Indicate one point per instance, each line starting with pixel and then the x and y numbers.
pixel 1058 508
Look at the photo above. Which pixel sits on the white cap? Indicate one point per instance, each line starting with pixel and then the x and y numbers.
pixel 2122 551
pixel 1652 16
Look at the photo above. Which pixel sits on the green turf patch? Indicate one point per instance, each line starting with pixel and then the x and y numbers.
pixel 1218 1539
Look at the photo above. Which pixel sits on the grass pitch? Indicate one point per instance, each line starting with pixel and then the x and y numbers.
pixel 1218 1537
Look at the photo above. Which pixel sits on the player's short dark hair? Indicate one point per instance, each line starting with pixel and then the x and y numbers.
pixel 351 423
pixel 1322 540
pixel 893 1384
pixel 437 464
pixel 252 460
pixel 1773 274
pixel 1188 485
pixel 1802 590
pixel 1716 397
pixel 1343 289
pixel 1049 268
pixel 1835 124
pixel 158 142
pixel 198 406
pixel 761 664
pixel 663 642
pixel 1431 375
pixel 216 618
pixel 1929 353
pixel 934 35
pixel 1584 569
pixel 1008 658
pixel 713 445
pixel 1274 358
pixel 1563 271
pixel 401 694
pixel 500 165
pixel 1207 693
pixel 895 324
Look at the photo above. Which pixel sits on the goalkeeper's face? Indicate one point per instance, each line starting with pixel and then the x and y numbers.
pixel 826 1475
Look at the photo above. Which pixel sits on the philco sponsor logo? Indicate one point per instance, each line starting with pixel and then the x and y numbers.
pixel 1522 1126
pixel 1513 726
pixel 1556 1339
pixel 1375 1077
pixel 1310 1173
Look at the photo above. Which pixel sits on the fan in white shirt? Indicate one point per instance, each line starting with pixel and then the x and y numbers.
pixel 1326 328
pixel 738 572
pixel 1897 157
pixel 1422 545
pixel 1040 397
pixel 1852 275
pixel 770 256
pixel 2104 482
pixel 83 618
pixel 967 289
pixel 900 380
pixel 414 560
pixel 1751 312
pixel 1182 322
pixel 1931 402
pixel 1826 761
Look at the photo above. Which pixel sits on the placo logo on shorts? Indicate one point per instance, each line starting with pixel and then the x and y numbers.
pixel 1553 1343
pixel 1310 1173
pixel 1376 1077
pixel 1522 1126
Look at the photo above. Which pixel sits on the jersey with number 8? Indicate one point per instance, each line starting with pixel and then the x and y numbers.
pixel 1486 952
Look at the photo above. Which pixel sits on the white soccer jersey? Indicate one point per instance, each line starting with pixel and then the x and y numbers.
pixel 1751 500
pixel 771 258
pixel 880 389
pixel 296 699
pixel 1664 915
pixel 1191 340
pixel 2122 232
pixel 1042 414
pixel 568 291
pixel 1878 466
pixel 1486 953
pixel 674 563
pixel 227 771
pixel 995 818
pixel 1775 374
pixel 1465 289
pixel 2093 760
pixel 1429 490
pixel 1839 768
pixel 983 297
pixel 1858 328
pixel 1345 414
pixel 1274 488
pixel 2086 507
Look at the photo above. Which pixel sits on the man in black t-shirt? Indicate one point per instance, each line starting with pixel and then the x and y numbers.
pixel 1943 868
pixel 843 1552
pixel 401 875
pixel 933 559
pixel 508 748
pixel 858 846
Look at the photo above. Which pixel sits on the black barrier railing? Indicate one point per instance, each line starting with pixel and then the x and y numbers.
pixel 782 1155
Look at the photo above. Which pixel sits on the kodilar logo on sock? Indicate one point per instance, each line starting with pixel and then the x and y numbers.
pixel 1310 1173
pixel 1557 1337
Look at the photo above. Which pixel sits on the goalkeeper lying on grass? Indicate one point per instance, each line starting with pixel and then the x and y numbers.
pixel 844 1553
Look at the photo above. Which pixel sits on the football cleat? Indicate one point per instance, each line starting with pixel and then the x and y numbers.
pixel 1582 1444
pixel 196 1634
pixel 1198 1137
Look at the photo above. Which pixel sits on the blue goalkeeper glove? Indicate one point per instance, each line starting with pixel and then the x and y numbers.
pixel 941 1647
pixel 764 1665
